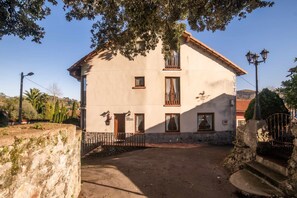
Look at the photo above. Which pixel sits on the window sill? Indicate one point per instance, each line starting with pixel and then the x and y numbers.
pixel 172 69
pixel 171 105
pixel 138 87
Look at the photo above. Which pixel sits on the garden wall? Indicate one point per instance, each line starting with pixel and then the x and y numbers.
pixel 40 160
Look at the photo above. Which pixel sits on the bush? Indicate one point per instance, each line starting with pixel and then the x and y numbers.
pixel 270 103
pixel 3 119
pixel 74 121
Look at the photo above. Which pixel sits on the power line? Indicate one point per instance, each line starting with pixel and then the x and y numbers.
pixel 39 85
pixel 247 81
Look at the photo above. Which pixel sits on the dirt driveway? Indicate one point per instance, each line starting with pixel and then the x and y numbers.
pixel 167 171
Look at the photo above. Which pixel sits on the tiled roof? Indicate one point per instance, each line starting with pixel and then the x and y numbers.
pixel 242 105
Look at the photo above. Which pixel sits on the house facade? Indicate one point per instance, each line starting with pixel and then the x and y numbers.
pixel 241 107
pixel 190 96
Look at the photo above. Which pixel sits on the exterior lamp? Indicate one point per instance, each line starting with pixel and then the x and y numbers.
pixel 252 58
pixel 264 54
pixel 21 95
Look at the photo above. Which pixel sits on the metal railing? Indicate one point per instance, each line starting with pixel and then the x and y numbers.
pixel 172 62
pixel 172 99
pixel 280 129
pixel 93 140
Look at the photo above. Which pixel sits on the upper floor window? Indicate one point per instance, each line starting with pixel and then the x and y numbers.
pixel 83 90
pixel 139 82
pixel 172 61
pixel 205 121
pixel 172 91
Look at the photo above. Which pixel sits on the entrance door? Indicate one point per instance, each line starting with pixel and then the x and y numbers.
pixel 119 126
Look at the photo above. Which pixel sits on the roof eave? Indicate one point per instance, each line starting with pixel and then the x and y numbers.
pixel 189 38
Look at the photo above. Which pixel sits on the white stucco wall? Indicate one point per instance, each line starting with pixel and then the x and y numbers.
pixel 110 82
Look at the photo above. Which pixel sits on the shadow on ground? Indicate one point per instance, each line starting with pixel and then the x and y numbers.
pixel 174 171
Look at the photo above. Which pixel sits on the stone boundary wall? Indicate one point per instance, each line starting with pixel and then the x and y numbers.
pixel 40 160
pixel 292 167
pixel 217 137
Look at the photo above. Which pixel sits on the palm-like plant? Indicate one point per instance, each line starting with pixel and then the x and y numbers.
pixel 36 98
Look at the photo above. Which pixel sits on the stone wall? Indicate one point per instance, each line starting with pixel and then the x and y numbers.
pixel 292 167
pixel 245 145
pixel 218 137
pixel 40 160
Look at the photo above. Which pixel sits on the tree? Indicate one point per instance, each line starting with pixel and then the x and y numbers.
pixel 73 110
pixel 121 24
pixel 19 17
pixel 12 108
pixel 37 99
pixel 289 88
pixel 55 91
pixel 270 103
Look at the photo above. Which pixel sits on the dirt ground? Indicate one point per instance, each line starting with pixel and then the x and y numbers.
pixel 179 170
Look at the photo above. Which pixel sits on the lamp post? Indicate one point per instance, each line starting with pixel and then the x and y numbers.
pixel 21 95
pixel 253 59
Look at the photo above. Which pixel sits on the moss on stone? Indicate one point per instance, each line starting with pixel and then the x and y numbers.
pixel 64 137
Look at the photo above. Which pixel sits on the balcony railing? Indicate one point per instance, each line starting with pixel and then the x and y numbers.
pixel 172 99
pixel 172 62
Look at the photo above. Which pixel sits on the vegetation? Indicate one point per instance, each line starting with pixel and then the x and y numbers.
pixel 38 106
pixel 289 88
pixel 121 24
pixel 270 103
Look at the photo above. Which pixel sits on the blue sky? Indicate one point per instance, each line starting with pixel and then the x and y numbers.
pixel 66 42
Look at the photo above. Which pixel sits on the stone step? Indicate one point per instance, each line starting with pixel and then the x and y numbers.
pixel 269 163
pixel 266 173
pixel 250 183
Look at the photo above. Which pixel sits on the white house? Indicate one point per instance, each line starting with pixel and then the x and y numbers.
pixel 189 97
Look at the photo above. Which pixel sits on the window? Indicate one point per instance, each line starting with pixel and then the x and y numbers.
pixel 139 123
pixel 172 123
pixel 172 91
pixel 139 82
pixel 172 61
pixel 241 122
pixel 205 121
pixel 83 91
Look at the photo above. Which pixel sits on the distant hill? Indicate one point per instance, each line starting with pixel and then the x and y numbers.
pixel 246 94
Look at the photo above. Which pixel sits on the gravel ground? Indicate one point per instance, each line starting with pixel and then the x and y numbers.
pixel 166 170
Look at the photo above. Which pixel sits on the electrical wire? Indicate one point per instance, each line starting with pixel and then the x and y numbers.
pixel 38 84
pixel 247 81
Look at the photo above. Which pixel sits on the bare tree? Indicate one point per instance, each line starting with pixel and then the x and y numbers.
pixel 55 91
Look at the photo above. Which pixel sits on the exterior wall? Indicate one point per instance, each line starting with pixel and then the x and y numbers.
pixel 110 85
pixel 240 120
pixel 40 160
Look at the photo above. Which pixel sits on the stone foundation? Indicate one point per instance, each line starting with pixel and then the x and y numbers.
pixel 40 160
pixel 219 137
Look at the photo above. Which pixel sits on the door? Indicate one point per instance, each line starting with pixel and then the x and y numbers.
pixel 119 126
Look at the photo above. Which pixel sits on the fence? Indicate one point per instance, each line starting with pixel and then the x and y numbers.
pixel 280 128
pixel 93 140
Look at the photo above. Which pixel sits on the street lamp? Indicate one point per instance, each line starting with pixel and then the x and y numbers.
pixel 21 95
pixel 253 59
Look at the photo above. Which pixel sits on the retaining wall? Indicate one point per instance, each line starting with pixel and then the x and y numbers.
pixel 40 160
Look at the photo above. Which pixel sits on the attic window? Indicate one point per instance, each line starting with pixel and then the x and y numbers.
pixel 172 61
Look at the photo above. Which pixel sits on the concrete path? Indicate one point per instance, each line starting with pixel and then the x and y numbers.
pixel 171 170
